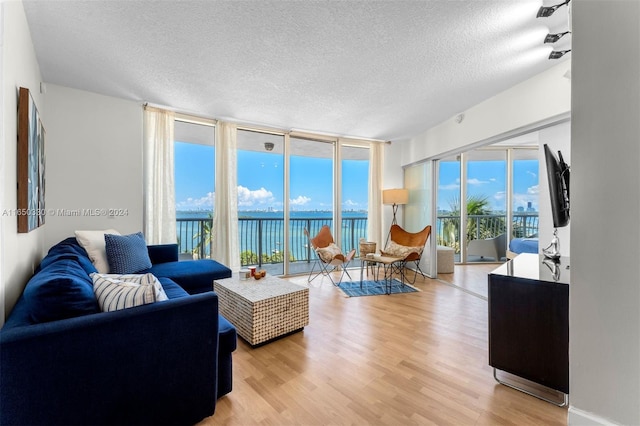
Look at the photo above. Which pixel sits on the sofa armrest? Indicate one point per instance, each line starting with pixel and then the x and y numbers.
pixel 153 364
pixel 163 253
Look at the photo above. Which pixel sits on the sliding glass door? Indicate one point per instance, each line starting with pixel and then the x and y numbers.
pixel 486 197
pixel 419 212
pixel 525 205
pixel 447 231
pixel 354 200
pixel 311 197
pixel 284 185
pixel 261 200
pixel 485 203
pixel 194 180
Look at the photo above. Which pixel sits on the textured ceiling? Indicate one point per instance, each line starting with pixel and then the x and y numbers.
pixel 377 69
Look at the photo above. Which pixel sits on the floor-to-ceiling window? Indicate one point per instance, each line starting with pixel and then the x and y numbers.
pixel 488 195
pixel 312 192
pixel 419 211
pixel 525 203
pixel 447 230
pixel 194 154
pixel 485 203
pixel 261 174
pixel 285 184
pixel 354 200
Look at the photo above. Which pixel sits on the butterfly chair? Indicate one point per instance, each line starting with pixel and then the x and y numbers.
pixel 407 246
pixel 329 256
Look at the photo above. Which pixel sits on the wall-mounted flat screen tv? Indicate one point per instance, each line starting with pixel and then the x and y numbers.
pixel 558 176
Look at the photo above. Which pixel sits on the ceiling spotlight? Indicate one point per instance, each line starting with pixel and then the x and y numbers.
pixel 552 38
pixel 268 146
pixel 557 54
pixel 546 11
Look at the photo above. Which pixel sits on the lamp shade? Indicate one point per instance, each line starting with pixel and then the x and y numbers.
pixel 395 196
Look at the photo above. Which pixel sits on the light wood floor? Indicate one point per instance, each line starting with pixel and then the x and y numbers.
pixel 405 359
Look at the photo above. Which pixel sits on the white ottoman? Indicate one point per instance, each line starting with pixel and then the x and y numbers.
pixel 445 260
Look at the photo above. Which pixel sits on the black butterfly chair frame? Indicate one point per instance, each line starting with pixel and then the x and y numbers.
pixel 322 240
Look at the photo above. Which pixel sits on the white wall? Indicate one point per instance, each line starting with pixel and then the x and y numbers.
pixel 393 178
pixel 94 161
pixel 540 100
pixel 20 252
pixel 2 187
pixel 537 100
pixel 604 300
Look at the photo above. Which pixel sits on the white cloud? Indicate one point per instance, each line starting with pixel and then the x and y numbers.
pixel 201 203
pixel 350 203
pixel 523 200
pixel 533 190
pixel 449 186
pixel 474 181
pixel 301 200
pixel 529 172
pixel 249 198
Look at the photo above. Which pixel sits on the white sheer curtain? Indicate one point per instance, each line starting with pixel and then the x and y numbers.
pixel 374 216
pixel 159 189
pixel 224 244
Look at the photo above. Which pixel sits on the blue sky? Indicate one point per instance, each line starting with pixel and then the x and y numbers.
pixel 488 179
pixel 260 181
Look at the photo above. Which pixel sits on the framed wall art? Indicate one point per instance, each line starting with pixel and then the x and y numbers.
pixel 31 164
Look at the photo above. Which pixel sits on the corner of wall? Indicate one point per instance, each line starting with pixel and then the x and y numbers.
pixel 2 171
pixel 19 69
pixel 582 418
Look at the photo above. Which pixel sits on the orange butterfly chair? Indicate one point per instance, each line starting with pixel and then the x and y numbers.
pixel 408 246
pixel 329 256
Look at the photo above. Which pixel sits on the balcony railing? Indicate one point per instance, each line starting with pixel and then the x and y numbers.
pixel 262 239
pixel 484 226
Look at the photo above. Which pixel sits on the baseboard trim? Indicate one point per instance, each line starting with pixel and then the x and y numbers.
pixel 577 417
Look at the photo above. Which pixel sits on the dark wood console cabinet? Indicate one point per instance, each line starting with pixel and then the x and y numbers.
pixel 529 320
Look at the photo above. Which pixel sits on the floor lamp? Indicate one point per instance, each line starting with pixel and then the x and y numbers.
pixel 395 197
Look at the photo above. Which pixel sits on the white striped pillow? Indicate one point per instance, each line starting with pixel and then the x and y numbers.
pixel 116 292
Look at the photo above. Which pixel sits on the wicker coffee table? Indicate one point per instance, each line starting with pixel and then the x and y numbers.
pixel 265 309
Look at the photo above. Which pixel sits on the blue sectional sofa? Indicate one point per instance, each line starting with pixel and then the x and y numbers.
pixel 63 361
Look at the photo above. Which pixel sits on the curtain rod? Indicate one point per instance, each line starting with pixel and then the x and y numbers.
pixel 194 119
pixel 183 116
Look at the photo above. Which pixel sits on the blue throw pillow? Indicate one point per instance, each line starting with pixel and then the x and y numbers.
pixel 61 290
pixel 127 254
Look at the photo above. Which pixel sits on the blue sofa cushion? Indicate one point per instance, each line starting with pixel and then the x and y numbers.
pixel 195 276
pixel 19 316
pixel 68 249
pixel 228 337
pixel 162 253
pixel 60 290
pixel 127 254
pixel 171 289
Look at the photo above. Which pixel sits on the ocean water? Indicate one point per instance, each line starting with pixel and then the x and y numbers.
pixel 269 226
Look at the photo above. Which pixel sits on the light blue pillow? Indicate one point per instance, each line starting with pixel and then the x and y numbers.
pixel 126 254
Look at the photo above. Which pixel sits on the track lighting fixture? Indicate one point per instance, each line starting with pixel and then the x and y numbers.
pixel 557 54
pixel 552 38
pixel 546 11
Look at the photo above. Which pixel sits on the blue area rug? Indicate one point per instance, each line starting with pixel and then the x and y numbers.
pixel 373 288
